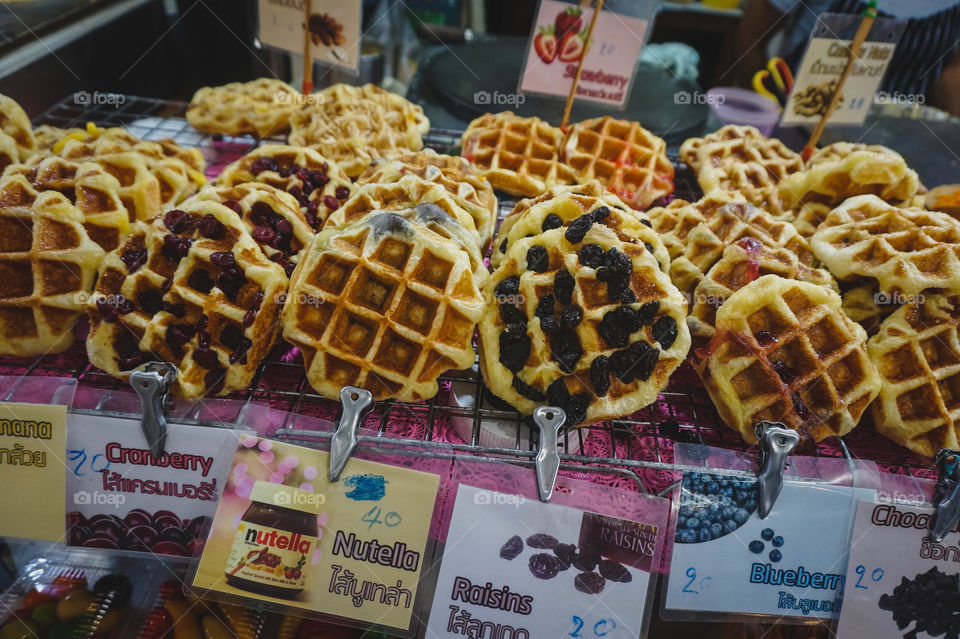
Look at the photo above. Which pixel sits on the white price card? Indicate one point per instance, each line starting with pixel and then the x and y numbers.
pixel 529 570
pixel 899 582
pixel 727 560
pixel 334 27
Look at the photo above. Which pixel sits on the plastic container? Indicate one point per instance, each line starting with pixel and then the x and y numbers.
pixel 739 106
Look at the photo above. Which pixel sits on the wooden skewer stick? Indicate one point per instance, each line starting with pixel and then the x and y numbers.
pixel 307 86
pixel 576 77
pixel 856 44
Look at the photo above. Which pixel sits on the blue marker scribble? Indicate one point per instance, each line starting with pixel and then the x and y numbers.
pixel 366 487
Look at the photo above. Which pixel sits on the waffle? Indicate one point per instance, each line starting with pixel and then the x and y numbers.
pixel 356 125
pixel 261 107
pixel 866 306
pixel 691 146
pixel 904 250
pixel 917 352
pixel 317 183
pixel 741 263
pixel 590 188
pixel 696 234
pixel 9 152
pixel 629 160
pixel 520 156
pixel 205 299
pixel 557 331
pixel 471 192
pixel 566 208
pixel 48 265
pixel 785 352
pixel 46 136
pixel 15 123
pixel 383 304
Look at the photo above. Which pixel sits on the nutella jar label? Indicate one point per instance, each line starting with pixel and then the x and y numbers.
pixel 270 557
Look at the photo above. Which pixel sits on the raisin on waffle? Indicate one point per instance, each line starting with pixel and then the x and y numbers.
pixel 261 107
pixel 626 158
pixel 691 146
pixel 784 351
pixel 47 268
pixel 471 192
pixel 193 288
pixel 384 304
pixel 317 183
pixel 905 250
pixel 577 318
pixel 15 123
pixel 520 156
pixel 917 351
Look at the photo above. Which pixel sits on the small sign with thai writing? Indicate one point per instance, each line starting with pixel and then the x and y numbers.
pixel 334 27
pixel 32 440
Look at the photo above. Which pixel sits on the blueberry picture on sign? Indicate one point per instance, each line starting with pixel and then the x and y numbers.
pixel 713 506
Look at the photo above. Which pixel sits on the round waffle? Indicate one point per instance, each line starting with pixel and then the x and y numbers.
pixel 47 268
pixel 46 136
pixel 590 188
pixel 905 250
pixel 691 146
pixel 471 192
pixel 192 288
pixel 261 107
pixel 15 123
pixel 629 160
pixel 582 321
pixel 520 156
pixel 384 304
pixel 356 125
pixel 785 352
pixel 917 352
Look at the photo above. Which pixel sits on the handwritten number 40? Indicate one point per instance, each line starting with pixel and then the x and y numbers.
pixel 875 576
pixel 600 629
pixel 373 516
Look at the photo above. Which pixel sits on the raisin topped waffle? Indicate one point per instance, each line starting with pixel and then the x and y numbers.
pixel 785 352
pixel 193 288
pixel 520 156
pixel 905 250
pixel 261 107
pixel 629 160
pixel 691 146
pixel 15 123
pixel 384 304
pixel 577 318
pixel 47 268
pixel 917 351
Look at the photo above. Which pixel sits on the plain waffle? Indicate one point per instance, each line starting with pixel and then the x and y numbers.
pixel 867 306
pixel 15 123
pixel 261 107
pixel 691 146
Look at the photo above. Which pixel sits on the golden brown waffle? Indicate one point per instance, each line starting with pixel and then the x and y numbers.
pixel 15 123
pixel 191 288
pixel 741 263
pixel 9 152
pixel 356 125
pixel 46 136
pixel 471 192
pixel 629 160
pixel 731 132
pixel 785 352
pixel 591 189
pixel 47 268
pixel 561 328
pixel 917 352
pixel 904 250
pixel 261 107
pixel 697 233
pixel 867 306
pixel 564 209
pixel 384 304
pixel 520 156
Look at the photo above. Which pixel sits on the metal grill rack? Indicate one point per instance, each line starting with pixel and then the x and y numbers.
pixel 635 451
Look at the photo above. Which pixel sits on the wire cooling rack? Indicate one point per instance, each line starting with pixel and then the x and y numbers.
pixel 638 447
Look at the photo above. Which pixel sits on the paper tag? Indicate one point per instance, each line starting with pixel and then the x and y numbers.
pixel 525 568
pixel 727 560
pixel 334 28
pixel 32 440
pixel 894 565
pixel 557 45
pixel 372 527
pixel 115 485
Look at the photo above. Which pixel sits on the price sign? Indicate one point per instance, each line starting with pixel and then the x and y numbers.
pixel 896 573
pixel 334 29
pixel 284 534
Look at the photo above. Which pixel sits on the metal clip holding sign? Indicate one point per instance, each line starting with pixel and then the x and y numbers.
pixel 947 493
pixel 776 444
pixel 548 419
pixel 152 383
pixel 354 404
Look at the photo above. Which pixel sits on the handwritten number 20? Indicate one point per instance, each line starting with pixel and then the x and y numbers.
pixel 600 629
pixel 875 576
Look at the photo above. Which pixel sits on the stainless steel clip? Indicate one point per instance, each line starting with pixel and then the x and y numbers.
pixel 354 404
pixel 776 443
pixel 946 493
pixel 548 419
pixel 152 383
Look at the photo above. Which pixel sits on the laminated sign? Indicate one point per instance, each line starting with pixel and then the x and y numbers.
pixel 334 27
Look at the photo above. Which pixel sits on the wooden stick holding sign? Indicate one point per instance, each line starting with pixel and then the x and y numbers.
pixel 576 77
pixel 307 85
pixel 856 44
